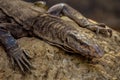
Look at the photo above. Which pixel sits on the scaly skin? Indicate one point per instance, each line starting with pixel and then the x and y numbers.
pixel 57 32
pixel 20 19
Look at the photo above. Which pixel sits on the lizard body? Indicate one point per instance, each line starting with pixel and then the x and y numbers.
pixel 25 19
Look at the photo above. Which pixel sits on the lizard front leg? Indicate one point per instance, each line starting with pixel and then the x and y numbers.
pixel 78 18
pixel 16 54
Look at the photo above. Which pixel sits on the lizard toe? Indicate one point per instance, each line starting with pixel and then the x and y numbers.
pixel 19 57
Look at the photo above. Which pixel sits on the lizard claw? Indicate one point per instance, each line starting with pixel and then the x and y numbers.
pixel 101 25
pixel 100 28
pixel 26 54
pixel 106 32
pixel 21 58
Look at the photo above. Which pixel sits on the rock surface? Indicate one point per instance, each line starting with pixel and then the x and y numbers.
pixel 53 63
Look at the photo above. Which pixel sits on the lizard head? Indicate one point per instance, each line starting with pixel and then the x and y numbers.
pixel 89 50
pixel 84 46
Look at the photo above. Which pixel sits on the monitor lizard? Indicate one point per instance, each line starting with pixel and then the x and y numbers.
pixel 19 19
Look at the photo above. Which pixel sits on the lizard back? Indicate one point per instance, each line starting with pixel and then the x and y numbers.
pixel 22 12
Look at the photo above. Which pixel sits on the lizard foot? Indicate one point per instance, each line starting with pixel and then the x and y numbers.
pixel 100 28
pixel 20 57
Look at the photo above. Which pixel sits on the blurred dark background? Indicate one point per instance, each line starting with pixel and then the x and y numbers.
pixel 104 11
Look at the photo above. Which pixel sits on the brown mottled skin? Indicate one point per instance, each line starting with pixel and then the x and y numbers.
pixel 19 19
